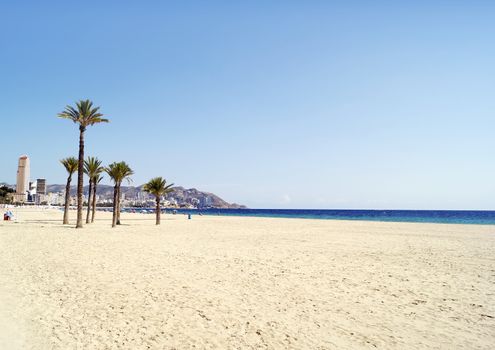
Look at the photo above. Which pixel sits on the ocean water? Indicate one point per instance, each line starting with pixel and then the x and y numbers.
pixel 432 216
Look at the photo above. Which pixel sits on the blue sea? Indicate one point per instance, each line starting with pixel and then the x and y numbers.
pixel 433 216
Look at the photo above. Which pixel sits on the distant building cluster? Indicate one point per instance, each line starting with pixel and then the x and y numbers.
pixel 38 193
pixel 173 200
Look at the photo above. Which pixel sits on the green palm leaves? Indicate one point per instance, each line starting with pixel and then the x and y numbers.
pixel 70 164
pixel 158 187
pixel 84 114
pixel 119 171
pixel 92 167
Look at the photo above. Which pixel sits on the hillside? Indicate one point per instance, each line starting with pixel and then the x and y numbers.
pixel 181 195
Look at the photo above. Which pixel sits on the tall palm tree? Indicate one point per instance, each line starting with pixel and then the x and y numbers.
pixel 118 172
pixel 158 187
pixel 96 180
pixel 92 166
pixel 71 165
pixel 85 115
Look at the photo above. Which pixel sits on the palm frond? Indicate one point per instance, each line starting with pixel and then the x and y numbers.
pixel 92 166
pixel 157 187
pixel 84 114
pixel 71 164
pixel 119 171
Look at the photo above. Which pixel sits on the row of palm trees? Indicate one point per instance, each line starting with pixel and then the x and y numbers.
pixel 84 114
pixel 92 168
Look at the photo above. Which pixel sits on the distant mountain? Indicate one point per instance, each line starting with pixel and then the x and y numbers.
pixel 181 195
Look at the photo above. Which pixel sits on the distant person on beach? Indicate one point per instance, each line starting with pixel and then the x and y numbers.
pixel 8 216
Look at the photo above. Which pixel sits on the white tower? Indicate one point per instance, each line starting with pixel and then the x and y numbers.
pixel 22 179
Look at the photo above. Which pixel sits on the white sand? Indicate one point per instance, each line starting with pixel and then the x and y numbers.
pixel 241 283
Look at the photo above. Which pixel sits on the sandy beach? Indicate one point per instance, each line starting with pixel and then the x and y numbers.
pixel 244 283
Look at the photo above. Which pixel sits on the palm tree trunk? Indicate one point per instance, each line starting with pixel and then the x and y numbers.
pixel 80 178
pixel 115 199
pixel 67 199
pixel 94 202
pixel 119 194
pixel 90 194
pixel 158 210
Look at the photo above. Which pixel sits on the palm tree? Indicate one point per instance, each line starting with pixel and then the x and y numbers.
pixel 85 115
pixel 118 172
pixel 92 166
pixel 157 187
pixel 71 165
pixel 96 180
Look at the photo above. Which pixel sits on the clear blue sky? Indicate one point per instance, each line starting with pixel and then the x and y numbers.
pixel 286 104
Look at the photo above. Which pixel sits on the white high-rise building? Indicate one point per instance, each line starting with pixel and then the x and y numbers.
pixel 22 186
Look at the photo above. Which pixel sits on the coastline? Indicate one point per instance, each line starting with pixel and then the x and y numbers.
pixel 468 217
pixel 220 282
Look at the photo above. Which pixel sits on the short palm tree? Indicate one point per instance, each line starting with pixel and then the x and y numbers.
pixel 96 180
pixel 85 115
pixel 118 172
pixel 158 187
pixel 92 167
pixel 70 165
